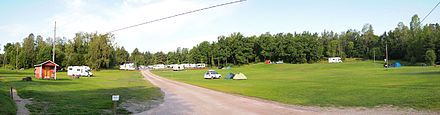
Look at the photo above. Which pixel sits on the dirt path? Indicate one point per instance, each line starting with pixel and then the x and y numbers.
pixel 21 103
pixel 185 99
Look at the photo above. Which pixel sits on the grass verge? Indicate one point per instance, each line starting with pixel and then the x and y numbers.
pixel 79 96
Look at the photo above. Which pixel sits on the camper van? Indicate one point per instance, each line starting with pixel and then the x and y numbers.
pixel 334 60
pixel 79 71
pixel 178 67
pixel 127 66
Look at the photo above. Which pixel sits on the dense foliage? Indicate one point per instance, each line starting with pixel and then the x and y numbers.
pixel 415 43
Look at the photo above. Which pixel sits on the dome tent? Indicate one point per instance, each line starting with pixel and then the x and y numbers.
pixel 240 76
pixel 230 76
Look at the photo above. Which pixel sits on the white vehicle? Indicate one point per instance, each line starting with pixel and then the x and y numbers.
pixel 211 74
pixel 201 65
pixel 79 71
pixel 185 65
pixel 127 66
pixel 178 67
pixel 335 60
pixel 159 66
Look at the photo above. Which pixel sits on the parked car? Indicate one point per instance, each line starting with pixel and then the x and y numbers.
pixel 211 74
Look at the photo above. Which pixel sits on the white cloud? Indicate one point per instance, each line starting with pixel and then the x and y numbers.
pixel 164 35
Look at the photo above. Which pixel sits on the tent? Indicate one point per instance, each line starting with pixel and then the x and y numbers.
pixel 239 76
pixel 397 64
pixel 230 76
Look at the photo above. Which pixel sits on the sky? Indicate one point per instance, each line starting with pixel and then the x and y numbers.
pixel 19 18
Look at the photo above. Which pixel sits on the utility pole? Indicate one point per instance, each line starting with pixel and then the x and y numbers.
pixel 374 56
pixel 16 58
pixel 386 53
pixel 4 60
pixel 53 52
pixel 53 44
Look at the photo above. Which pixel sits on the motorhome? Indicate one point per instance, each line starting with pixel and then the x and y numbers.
pixel 127 66
pixel 178 67
pixel 159 66
pixel 200 65
pixel 335 60
pixel 79 71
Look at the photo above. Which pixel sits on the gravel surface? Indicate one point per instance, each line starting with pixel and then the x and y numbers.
pixel 21 103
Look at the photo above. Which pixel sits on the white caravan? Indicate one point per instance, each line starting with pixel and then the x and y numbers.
pixel 178 67
pixel 159 66
pixel 200 65
pixel 127 66
pixel 334 60
pixel 79 71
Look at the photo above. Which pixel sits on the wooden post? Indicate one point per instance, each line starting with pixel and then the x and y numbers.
pixel 114 107
pixel 12 94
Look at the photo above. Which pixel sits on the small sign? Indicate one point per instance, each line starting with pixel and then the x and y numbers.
pixel 115 97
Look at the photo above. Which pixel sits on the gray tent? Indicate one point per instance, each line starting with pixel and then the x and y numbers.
pixel 239 76
pixel 230 76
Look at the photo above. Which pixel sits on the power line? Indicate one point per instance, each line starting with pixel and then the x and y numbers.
pixel 172 16
pixel 430 12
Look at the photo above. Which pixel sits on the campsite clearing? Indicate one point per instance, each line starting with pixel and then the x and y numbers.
pixel 348 84
pixel 76 96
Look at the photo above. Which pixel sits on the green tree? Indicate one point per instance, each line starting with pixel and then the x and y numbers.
pixel 27 55
pixel 430 57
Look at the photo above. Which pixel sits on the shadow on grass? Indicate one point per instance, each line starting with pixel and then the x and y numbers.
pixel 34 84
pixel 95 101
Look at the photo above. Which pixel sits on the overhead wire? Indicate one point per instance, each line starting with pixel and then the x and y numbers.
pixel 430 12
pixel 172 16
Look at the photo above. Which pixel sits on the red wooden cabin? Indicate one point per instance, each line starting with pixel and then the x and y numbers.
pixel 46 70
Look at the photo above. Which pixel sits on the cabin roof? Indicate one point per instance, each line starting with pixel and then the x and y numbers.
pixel 48 61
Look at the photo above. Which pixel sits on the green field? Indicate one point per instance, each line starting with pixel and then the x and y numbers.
pixel 76 96
pixel 350 84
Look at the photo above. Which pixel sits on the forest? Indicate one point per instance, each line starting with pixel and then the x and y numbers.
pixel 413 44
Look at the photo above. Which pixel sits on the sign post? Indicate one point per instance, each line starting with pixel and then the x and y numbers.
pixel 115 99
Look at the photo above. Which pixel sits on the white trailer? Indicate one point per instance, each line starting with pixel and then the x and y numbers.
pixel 200 65
pixel 159 66
pixel 178 67
pixel 127 66
pixel 335 60
pixel 79 71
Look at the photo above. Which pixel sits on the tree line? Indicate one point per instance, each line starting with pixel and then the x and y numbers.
pixel 414 44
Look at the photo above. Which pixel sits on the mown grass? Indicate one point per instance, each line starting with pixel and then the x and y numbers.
pixel 351 84
pixel 7 105
pixel 79 96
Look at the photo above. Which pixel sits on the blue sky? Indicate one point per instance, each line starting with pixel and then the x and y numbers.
pixel 18 18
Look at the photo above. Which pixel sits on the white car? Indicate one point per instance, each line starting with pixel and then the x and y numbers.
pixel 211 74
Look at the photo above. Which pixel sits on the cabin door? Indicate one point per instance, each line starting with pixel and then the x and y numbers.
pixel 47 73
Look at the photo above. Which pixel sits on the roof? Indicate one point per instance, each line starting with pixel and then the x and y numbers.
pixel 48 61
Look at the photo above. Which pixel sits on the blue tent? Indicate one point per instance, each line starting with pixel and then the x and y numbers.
pixel 397 64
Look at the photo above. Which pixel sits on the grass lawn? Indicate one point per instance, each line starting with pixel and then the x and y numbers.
pixel 76 96
pixel 350 84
